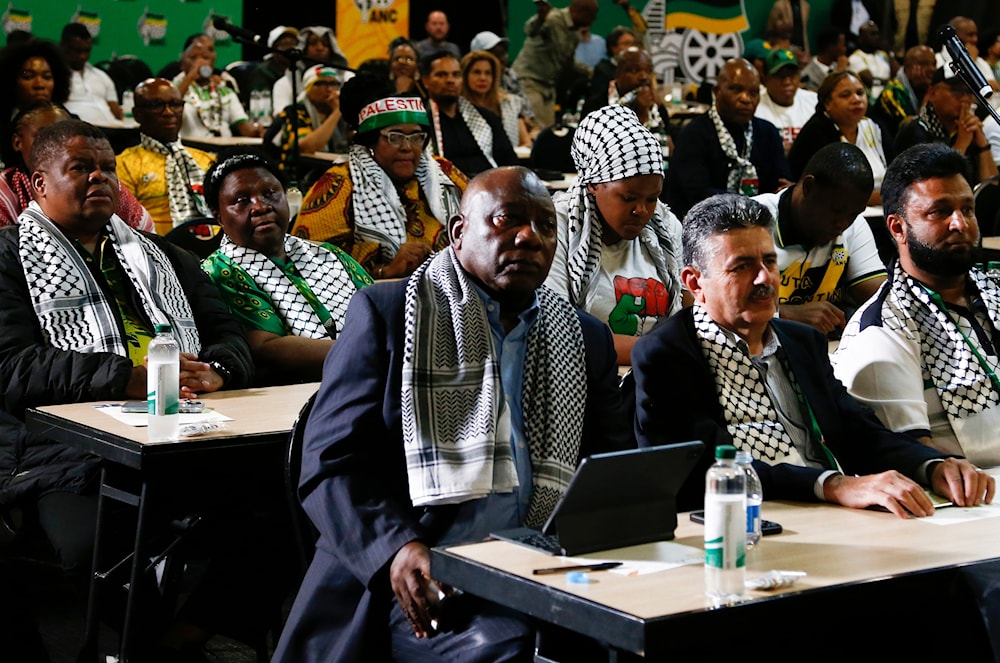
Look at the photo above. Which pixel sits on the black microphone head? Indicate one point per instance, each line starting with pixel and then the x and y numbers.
pixel 946 32
pixel 220 23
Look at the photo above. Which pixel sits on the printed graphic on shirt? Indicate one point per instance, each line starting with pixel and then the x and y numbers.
pixel 637 299
pixel 802 283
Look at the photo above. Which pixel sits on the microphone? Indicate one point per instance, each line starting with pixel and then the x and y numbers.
pixel 221 23
pixel 961 62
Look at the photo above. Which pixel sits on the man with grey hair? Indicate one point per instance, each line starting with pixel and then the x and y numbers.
pixel 766 385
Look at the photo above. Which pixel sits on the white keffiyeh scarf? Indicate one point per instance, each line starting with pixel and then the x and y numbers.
pixel 751 417
pixel 741 169
pixel 379 215
pixel 609 145
pixel 961 382
pixel 183 172
pixel 452 394
pixel 478 127
pixel 321 269
pixel 72 310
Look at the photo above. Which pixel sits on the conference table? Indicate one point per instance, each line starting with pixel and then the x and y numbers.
pixel 850 556
pixel 245 454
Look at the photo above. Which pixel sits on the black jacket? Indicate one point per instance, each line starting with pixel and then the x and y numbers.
pixel 35 373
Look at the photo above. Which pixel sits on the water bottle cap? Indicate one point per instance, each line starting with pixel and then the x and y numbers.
pixel 162 328
pixel 725 451
pixel 744 456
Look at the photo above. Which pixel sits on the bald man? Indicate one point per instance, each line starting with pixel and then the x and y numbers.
pixel 904 94
pixel 369 587
pixel 437 28
pixel 164 175
pixel 727 148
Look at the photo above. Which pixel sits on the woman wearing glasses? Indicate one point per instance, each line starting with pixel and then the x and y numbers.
pixel 290 295
pixel 389 205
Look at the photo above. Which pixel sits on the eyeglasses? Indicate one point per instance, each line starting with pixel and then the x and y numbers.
pixel 405 59
pixel 397 138
pixel 160 106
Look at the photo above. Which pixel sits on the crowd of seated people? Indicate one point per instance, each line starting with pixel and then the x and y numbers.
pixel 739 232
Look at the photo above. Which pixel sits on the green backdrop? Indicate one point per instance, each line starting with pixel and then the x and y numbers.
pixel 153 31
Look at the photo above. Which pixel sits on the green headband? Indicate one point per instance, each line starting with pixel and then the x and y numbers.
pixel 390 111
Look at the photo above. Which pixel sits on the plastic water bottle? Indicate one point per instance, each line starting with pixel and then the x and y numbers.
pixel 163 368
pixel 725 528
pixel 128 103
pixel 755 495
pixel 266 108
pixel 255 111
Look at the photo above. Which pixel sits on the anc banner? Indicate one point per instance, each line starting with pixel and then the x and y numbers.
pixel 365 27
pixel 709 16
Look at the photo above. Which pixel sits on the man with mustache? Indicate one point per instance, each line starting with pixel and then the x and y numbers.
pixel 727 372
pixel 924 351
pixel 827 255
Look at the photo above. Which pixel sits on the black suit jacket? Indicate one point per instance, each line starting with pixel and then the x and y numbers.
pixel 354 484
pixel 676 400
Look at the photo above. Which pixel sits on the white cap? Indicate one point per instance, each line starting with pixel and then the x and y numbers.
pixel 484 41
pixel 275 34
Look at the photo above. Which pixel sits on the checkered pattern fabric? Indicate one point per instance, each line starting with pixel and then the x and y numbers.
pixel 452 394
pixel 182 174
pixel 743 169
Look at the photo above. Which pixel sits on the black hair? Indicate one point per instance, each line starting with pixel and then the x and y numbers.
pixel 51 140
pixel 614 37
pixel 828 37
pixel 840 163
pixel 25 115
pixel 401 41
pixel 716 215
pixel 190 40
pixel 427 61
pixel 916 164
pixel 15 37
pixel 230 160
pixel 74 31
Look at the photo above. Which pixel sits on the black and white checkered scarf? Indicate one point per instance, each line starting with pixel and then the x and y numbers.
pixel 961 382
pixel 72 310
pixel 183 172
pixel 933 123
pixel 477 125
pixel 452 393
pixel 321 269
pixel 379 215
pixel 741 167
pixel 610 144
pixel 751 417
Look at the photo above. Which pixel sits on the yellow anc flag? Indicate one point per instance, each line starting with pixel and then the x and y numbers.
pixel 365 27
pixel 709 16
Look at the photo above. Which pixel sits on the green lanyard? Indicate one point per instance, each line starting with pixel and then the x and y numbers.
pixel 937 299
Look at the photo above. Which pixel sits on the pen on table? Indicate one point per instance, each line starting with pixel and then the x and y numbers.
pixel 603 566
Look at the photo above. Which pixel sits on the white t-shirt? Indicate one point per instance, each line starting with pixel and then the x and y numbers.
pixel 90 91
pixel 877 63
pixel 221 101
pixel 788 119
pixel 626 271
pixel 882 368
pixel 992 132
pixel 802 271
pixel 869 141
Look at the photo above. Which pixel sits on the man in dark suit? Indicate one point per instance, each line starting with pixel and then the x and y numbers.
pixel 727 372
pixel 451 403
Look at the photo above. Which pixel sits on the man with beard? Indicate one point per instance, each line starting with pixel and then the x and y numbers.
pixel 923 352
pixel 766 385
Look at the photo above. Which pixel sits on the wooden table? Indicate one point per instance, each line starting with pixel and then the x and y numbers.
pixel 248 452
pixel 839 548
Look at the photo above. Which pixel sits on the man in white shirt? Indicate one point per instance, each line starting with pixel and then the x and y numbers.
pixel 92 94
pixel 873 65
pixel 923 353
pixel 783 103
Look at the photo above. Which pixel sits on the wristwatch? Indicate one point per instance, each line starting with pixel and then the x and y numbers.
pixel 223 372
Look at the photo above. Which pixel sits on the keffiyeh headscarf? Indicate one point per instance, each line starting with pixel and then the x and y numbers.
pixel 452 395
pixel 610 145
pixel 73 312
pixel 742 169
pixel 184 179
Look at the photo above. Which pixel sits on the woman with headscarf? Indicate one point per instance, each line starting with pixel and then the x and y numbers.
pixel 15 181
pixel 619 250
pixel 841 116
pixel 389 205
pixel 290 295
pixel 319 46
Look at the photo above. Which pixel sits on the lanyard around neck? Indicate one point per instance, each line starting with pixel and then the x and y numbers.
pixel 939 301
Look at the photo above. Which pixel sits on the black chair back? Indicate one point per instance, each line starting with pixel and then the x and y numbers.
pixel 126 71
pixel 200 236
pixel 987 194
pixel 304 531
